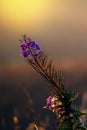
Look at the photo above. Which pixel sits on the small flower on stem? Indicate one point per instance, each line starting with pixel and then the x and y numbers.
pixel 25 50
pixel 53 104
pixel 29 47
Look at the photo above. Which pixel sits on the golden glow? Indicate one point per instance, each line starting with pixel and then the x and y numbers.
pixel 19 13
pixel 15 119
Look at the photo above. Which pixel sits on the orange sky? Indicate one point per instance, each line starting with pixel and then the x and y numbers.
pixel 59 26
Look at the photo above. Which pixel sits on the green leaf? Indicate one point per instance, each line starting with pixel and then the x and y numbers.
pixel 77 126
pixel 79 113
pixel 82 128
pixel 74 98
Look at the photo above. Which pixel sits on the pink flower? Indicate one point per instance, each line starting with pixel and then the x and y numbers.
pixel 53 103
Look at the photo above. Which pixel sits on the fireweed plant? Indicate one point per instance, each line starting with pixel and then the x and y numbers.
pixel 60 102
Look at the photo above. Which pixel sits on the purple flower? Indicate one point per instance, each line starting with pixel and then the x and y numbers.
pixel 30 47
pixel 25 53
pixel 49 100
pixel 25 50
pixel 35 45
pixel 24 46
pixel 48 107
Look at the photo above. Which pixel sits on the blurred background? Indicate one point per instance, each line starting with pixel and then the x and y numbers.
pixel 60 27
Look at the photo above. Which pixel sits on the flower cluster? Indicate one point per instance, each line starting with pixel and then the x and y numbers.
pixel 29 47
pixel 53 104
pixel 56 106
